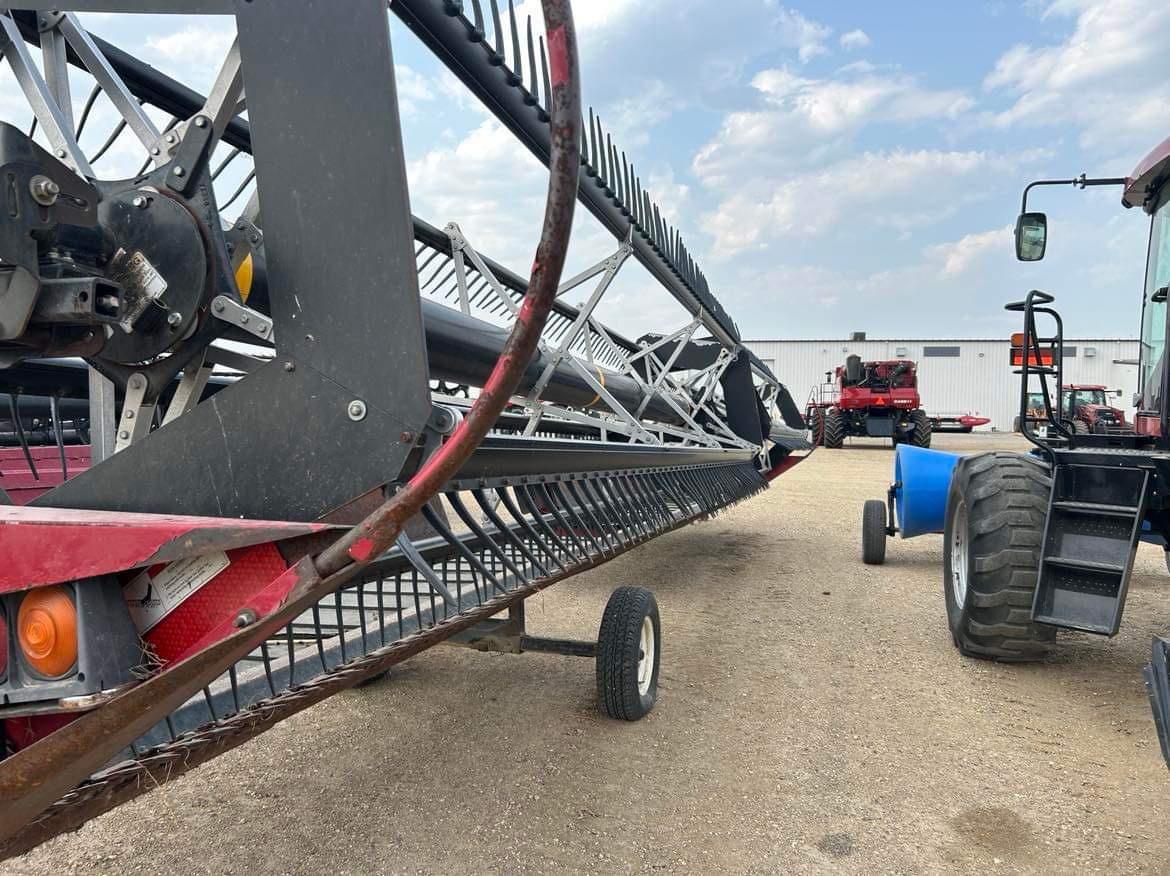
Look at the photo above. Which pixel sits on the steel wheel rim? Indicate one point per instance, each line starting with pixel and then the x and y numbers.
pixel 958 549
pixel 645 655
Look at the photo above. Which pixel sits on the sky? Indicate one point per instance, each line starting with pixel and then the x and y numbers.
pixel 833 167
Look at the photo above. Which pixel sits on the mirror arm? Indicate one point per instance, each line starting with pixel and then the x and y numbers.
pixel 1083 181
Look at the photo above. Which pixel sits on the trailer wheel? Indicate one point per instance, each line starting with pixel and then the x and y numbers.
pixel 628 653
pixel 873 532
pixel 920 437
pixel 996 510
pixel 834 430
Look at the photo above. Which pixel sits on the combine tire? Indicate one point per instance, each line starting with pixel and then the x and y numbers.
pixel 873 532
pixel 814 421
pixel 920 437
pixel 628 649
pixel 834 431
pixel 994 528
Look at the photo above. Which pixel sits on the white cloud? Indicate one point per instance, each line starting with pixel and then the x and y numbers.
pixel 800 33
pixel 897 190
pixel 806 121
pixel 192 44
pixel 854 39
pixel 1109 77
pixel 957 257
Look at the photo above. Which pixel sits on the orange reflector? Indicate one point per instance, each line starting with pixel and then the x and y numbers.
pixel 1045 358
pixel 1018 339
pixel 46 628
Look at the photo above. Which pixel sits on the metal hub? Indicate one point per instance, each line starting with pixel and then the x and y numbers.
pixel 959 549
pixel 645 656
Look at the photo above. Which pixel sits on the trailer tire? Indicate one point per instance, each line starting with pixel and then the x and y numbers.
pixel 873 532
pixel 996 509
pixel 834 430
pixel 920 437
pixel 629 646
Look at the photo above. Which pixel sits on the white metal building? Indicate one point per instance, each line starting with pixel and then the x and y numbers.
pixel 956 376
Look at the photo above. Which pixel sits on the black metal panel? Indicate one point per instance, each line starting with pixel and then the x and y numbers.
pixel 277 445
pixel 502 456
pixel 339 249
pixel 745 413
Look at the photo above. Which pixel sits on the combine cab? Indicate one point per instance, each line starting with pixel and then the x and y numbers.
pixel 869 399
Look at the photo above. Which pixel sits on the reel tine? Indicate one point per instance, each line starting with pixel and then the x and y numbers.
pixel 20 436
pixel 55 413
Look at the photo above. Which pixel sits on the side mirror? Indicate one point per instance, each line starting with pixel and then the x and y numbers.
pixel 1118 392
pixel 1031 236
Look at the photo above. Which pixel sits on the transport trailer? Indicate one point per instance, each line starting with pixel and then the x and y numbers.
pixel 868 399
pixel 957 422
pixel 1042 541
pixel 269 433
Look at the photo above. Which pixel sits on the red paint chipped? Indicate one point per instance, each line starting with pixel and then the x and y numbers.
pixel 361 549
pixel 558 57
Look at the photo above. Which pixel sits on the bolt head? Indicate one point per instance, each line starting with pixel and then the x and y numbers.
pixel 60 153
pixel 357 410
pixel 44 190
pixel 170 138
pixel 129 415
pixel 140 202
pixel 290 367
pixel 406 437
pixel 123 434
pixel 218 306
pixel 262 328
pixel 178 170
pixel 244 318
pixel 200 122
pixel 244 617
pixel 174 318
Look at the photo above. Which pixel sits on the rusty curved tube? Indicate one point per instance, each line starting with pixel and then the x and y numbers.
pixel 374 535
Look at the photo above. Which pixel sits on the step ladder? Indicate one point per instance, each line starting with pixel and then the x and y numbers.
pixel 1094 520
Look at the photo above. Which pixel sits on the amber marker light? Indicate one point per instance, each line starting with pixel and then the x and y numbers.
pixel 46 629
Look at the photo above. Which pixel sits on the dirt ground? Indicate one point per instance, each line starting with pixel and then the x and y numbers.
pixel 813 715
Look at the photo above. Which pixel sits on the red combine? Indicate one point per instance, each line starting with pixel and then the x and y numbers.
pixel 872 399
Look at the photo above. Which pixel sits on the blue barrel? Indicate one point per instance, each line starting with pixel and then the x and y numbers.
pixel 924 477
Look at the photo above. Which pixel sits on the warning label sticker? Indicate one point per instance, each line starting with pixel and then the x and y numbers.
pixel 151 598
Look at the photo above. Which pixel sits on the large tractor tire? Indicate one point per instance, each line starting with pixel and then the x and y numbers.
pixel 920 437
pixel 1080 427
pixel 814 421
pixel 994 531
pixel 834 431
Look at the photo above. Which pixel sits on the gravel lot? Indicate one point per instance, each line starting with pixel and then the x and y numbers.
pixel 813 715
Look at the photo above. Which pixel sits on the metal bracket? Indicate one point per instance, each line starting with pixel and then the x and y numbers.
pixel 251 321
pixel 137 412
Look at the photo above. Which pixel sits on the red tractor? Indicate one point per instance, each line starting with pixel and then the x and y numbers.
pixel 1089 411
pixel 874 399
